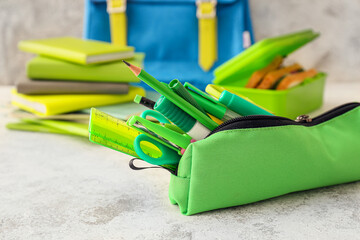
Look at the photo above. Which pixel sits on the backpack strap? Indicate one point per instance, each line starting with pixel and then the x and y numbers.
pixel 118 21
pixel 206 13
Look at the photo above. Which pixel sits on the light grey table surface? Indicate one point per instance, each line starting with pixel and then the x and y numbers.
pixel 63 187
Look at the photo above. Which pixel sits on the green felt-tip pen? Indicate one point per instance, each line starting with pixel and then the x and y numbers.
pixel 240 105
pixel 172 96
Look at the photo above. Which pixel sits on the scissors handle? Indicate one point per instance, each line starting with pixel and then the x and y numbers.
pixel 162 120
pixel 158 116
pixel 168 155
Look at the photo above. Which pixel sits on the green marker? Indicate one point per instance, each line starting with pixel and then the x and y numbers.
pixel 173 97
pixel 211 105
pixel 215 109
pixel 180 118
pixel 240 105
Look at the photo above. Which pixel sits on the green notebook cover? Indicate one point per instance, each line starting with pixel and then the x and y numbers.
pixel 52 69
pixel 50 126
pixel 77 50
pixel 47 105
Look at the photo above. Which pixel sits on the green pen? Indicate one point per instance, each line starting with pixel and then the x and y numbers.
pixel 173 97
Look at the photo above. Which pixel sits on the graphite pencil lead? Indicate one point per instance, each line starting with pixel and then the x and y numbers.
pixel 136 70
pixel 126 63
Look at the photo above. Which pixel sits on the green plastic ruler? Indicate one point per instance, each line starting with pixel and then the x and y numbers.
pixel 113 133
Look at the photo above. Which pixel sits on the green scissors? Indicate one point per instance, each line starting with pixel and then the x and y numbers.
pixel 154 134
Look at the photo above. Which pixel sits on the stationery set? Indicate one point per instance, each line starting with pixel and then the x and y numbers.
pixel 224 150
pixel 231 129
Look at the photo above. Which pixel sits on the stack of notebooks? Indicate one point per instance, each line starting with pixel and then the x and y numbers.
pixel 69 76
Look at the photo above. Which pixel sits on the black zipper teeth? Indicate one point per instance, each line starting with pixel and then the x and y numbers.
pixel 244 118
pixel 282 121
pixel 336 111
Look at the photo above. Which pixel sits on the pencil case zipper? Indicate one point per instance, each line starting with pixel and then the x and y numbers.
pixel 260 121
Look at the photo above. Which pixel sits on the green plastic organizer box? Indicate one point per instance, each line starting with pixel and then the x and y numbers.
pixel 302 99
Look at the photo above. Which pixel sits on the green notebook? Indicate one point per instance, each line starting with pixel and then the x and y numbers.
pixel 77 50
pixel 48 68
pixel 47 105
pixel 50 126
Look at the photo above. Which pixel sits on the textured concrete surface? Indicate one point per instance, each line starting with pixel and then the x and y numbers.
pixel 336 51
pixel 62 187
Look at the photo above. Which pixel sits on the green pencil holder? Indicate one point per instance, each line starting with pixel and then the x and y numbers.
pixel 289 103
pixel 253 159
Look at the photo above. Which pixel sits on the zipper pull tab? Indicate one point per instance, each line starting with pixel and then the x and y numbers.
pixel 303 118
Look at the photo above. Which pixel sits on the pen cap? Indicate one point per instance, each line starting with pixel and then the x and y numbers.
pixel 240 105
pixel 175 114
pixel 178 88
pixel 144 101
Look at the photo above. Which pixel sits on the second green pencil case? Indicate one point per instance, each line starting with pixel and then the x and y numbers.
pixel 253 158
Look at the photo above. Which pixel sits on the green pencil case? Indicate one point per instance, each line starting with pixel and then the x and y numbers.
pixel 254 158
pixel 304 98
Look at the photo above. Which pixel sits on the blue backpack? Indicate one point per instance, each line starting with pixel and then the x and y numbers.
pixel 167 32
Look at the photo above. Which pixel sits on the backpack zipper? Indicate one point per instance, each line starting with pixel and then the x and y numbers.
pixel 258 121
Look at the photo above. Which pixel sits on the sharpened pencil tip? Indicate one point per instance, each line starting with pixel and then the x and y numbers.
pixel 126 63
pixel 136 70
